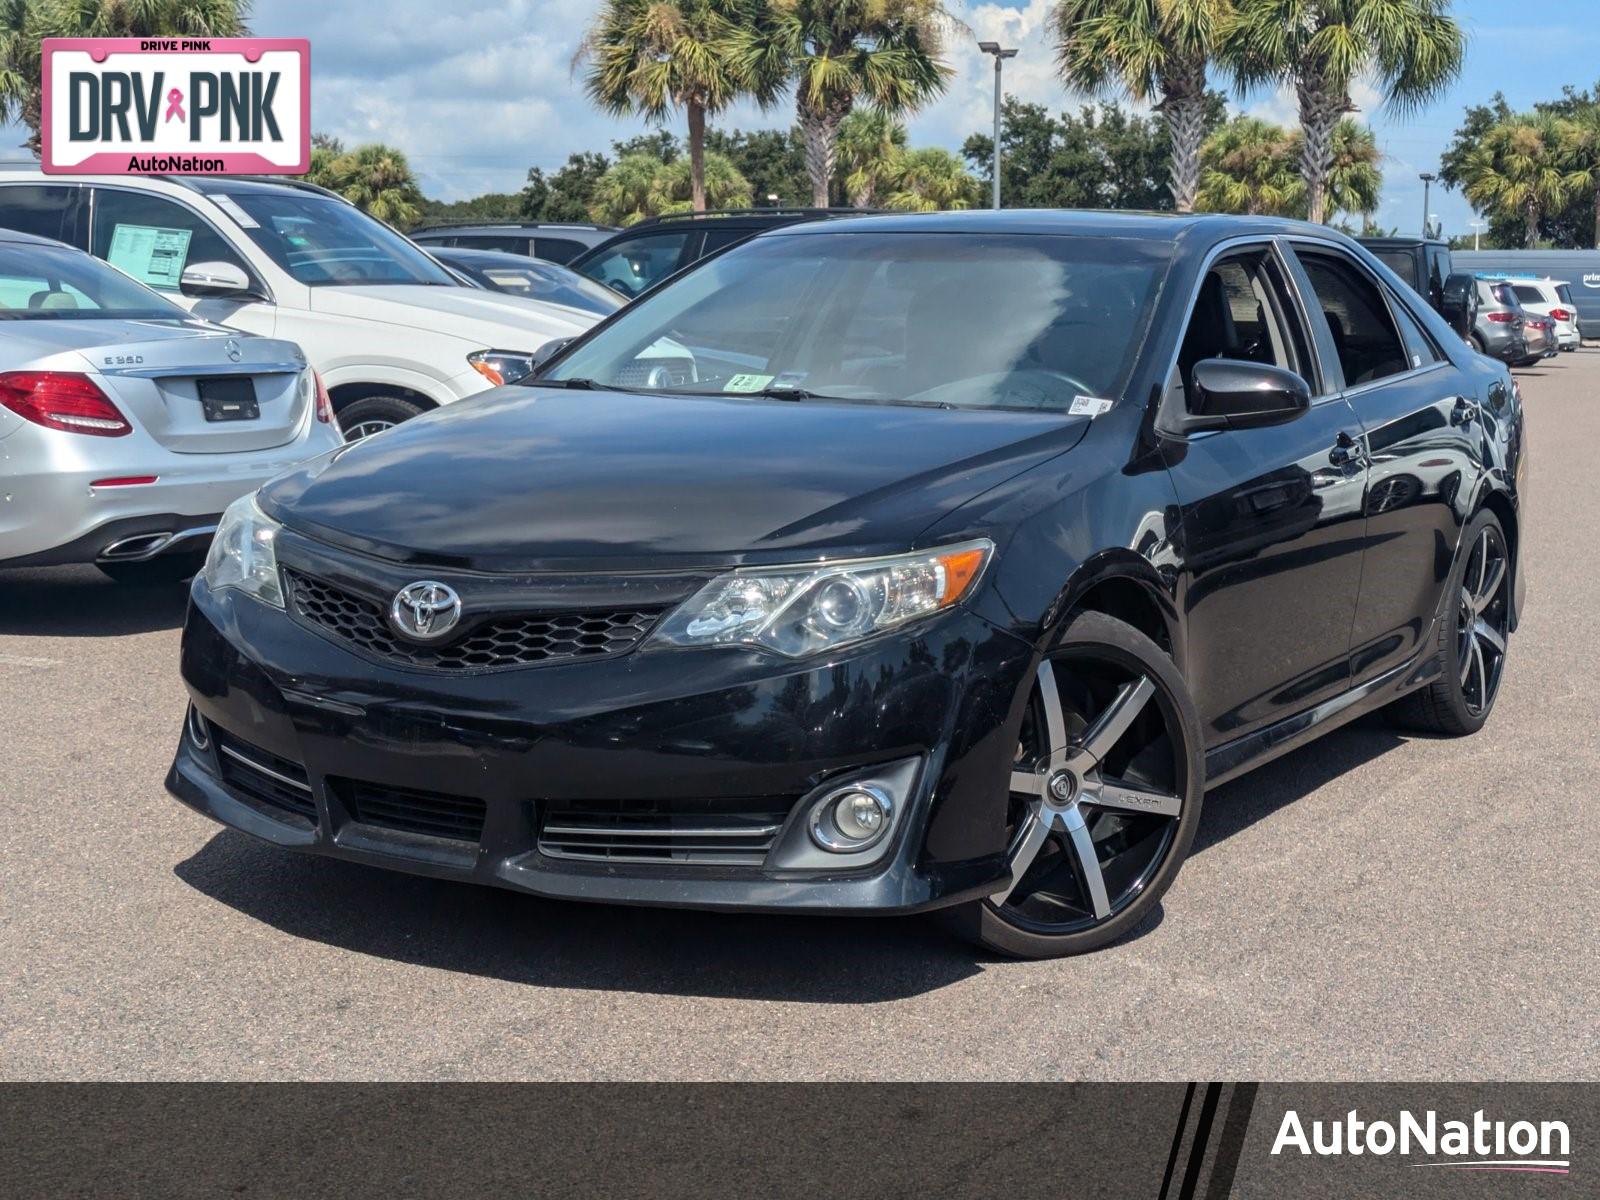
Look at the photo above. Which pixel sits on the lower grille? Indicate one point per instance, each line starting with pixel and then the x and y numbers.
pixel 733 838
pixel 509 641
pixel 430 813
pixel 263 779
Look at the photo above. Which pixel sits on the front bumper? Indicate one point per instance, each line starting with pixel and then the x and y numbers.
pixel 646 732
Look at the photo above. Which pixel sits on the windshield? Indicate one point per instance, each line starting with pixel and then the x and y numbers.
pixel 52 283
pixel 320 240
pixel 537 281
pixel 960 321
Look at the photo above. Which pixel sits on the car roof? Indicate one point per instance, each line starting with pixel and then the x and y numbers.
pixel 1153 226
pixel 489 258
pixel 512 227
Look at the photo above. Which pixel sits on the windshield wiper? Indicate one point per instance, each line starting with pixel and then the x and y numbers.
pixel 574 385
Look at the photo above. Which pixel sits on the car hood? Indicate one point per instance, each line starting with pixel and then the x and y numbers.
pixel 490 320
pixel 524 478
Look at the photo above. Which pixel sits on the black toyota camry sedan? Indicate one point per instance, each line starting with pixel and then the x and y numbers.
pixel 890 564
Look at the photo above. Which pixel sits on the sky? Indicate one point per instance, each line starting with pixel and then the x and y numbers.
pixel 477 91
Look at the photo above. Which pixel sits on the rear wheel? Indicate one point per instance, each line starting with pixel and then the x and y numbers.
pixel 168 568
pixel 1104 797
pixel 1472 644
pixel 373 414
pixel 1477 344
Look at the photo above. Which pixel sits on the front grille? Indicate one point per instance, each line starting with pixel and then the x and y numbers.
pixel 263 779
pixel 509 641
pixel 738 837
pixel 431 813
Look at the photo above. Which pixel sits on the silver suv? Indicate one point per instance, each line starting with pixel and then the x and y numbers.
pixel 1500 330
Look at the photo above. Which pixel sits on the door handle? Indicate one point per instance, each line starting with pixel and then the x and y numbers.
pixel 1465 412
pixel 1347 451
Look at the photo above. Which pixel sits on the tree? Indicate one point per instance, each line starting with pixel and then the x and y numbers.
pixel 1153 50
pixel 929 180
pixel 23 23
pixel 1412 48
pixel 870 142
pixel 566 195
pixel 885 54
pixel 377 179
pixel 773 160
pixel 1516 170
pixel 622 194
pixel 670 188
pixel 1355 181
pixel 1580 157
pixel 1247 166
pixel 654 56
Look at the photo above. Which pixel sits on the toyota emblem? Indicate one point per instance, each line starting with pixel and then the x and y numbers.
pixel 425 610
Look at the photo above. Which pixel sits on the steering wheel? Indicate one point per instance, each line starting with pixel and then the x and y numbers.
pixel 1054 389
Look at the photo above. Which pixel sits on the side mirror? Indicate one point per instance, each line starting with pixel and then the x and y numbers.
pixel 1459 304
pixel 548 351
pixel 1228 394
pixel 215 279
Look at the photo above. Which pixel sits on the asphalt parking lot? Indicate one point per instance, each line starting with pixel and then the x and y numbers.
pixel 1373 907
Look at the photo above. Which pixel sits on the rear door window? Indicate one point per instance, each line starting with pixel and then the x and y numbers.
pixel 1528 294
pixel 493 241
pixel 638 263
pixel 1359 322
pixel 556 250
pixel 57 211
pixel 1419 347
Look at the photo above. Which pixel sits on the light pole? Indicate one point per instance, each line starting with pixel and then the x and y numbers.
pixel 999 57
pixel 1427 180
pixel 1475 226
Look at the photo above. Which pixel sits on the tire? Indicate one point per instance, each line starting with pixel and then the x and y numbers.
pixel 165 569
pixel 1477 344
pixel 373 414
pixel 1139 789
pixel 1460 700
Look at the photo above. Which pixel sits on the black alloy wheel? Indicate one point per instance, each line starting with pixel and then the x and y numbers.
pixel 1105 796
pixel 1472 640
pixel 373 414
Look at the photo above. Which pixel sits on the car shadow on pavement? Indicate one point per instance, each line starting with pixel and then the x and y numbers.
pixel 81 602
pixel 1254 797
pixel 505 935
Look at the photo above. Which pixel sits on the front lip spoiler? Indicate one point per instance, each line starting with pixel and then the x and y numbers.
pixel 899 889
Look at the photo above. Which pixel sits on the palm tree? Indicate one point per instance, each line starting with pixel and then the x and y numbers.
pixel 621 196
pixel 931 180
pixel 885 54
pixel 378 180
pixel 1411 48
pixel 1247 166
pixel 1355 180
pixel 653 56
pixel 1580 152
pixel 1515 170
pixel 671 190
pixel 1153 50
pixel 24 22
pixel 869 141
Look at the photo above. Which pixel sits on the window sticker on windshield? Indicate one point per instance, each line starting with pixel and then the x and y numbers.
pixel 1089 406
pixel 746 383
pixel 150 253
pixel 231 206
pixel 789 379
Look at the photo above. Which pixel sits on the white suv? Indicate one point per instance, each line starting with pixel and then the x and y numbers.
pixel 1551 298
pixel 389 330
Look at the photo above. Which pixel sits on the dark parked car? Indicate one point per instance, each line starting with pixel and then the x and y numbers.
pixel 951 560
pixel 1424 264
pixel 642 255
pixel 531 279
pixel 557 243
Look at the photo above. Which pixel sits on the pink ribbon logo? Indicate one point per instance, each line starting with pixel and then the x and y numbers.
pixel 175 105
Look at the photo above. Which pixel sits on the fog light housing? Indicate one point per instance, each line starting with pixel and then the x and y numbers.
pixel 854 818
pixel 199 732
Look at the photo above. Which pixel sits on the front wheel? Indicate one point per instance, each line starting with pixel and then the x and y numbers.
pixel 1104 797
pixel 373 414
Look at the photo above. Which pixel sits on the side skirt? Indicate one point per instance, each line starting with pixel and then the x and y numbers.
pixel 1232 759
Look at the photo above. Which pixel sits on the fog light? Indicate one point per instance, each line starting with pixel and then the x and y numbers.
pixel 199 733
pixel 851 819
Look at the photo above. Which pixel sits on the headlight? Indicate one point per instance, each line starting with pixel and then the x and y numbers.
pixel 804 609
pixel 501 366
pixel 244 554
